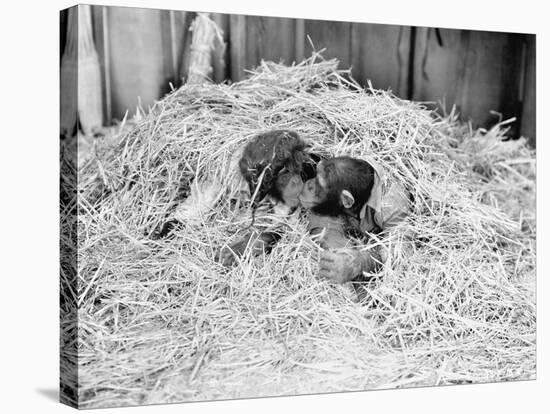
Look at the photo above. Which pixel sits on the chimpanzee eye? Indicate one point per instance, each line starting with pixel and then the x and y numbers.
pixel 311 186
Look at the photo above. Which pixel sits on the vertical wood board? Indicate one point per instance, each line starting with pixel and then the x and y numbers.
pixel 237 46
pixel 137 56
pixel 334 36
pixel 220 53
pixel 478 72
pixel 380 54
pixel 529 116
pixel 269 38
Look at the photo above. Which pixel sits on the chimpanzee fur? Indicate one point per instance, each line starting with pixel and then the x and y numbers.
pixel 273 152
pixel 344 173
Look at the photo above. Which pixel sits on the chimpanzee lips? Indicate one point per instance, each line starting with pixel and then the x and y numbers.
pixel 304 202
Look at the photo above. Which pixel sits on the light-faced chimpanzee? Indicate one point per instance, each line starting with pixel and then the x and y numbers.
pixel 348 198
pixel 275 164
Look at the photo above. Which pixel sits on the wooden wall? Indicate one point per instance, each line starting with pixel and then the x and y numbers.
pixel 143 50
pixel 479 72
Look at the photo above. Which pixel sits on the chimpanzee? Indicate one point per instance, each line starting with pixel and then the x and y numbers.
pixel 275 165
pixel 349 198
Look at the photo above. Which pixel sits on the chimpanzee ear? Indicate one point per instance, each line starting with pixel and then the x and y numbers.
pixel 346 198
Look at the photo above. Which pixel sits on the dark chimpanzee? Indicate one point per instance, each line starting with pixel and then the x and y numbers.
pixel 349 198
pixel 275 165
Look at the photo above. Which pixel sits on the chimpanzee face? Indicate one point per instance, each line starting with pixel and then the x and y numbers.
pixel 272 164
pixel 329 193
pixel 315 191
pixel 289 186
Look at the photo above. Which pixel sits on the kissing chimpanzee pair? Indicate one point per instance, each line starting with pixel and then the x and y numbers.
pixel 345 197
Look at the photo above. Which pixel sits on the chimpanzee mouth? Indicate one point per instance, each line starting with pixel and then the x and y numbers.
pixel 305 203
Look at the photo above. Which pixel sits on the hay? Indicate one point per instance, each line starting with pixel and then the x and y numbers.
pixel 161 321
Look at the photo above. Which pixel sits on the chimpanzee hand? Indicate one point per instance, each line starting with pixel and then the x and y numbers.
pixel 340 266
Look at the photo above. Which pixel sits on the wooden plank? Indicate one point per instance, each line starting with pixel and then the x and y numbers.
pixel 167 32
pixel 237 51
pixel 411 67
pixel 270 39
pixel 332 35
pixel 459 94
pixel 68 79
pixel 107 64
pixel 137 56
pixel 440 71
pixel 380 54
pixel 90 106
pixel 474 70
pixel 180 21
pixel 511 77
pixel 299 40
pixel 173 44
pixel 176 39
pixel 186 20
pixel 402 59
pixel 99 18
pixel 356 43
pixel 169 58
pixel 220 53
pixel 63 19
pixel 486 86
pixel 529 115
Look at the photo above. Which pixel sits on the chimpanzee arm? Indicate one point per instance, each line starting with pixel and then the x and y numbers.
pixel 340 262
pixel 327 231
pixel 259 243
pixel 270 223
pixel 345 265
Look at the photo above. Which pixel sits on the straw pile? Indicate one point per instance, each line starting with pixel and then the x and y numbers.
pixel 161 321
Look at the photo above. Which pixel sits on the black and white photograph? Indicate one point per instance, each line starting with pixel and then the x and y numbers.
pixel 258 206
